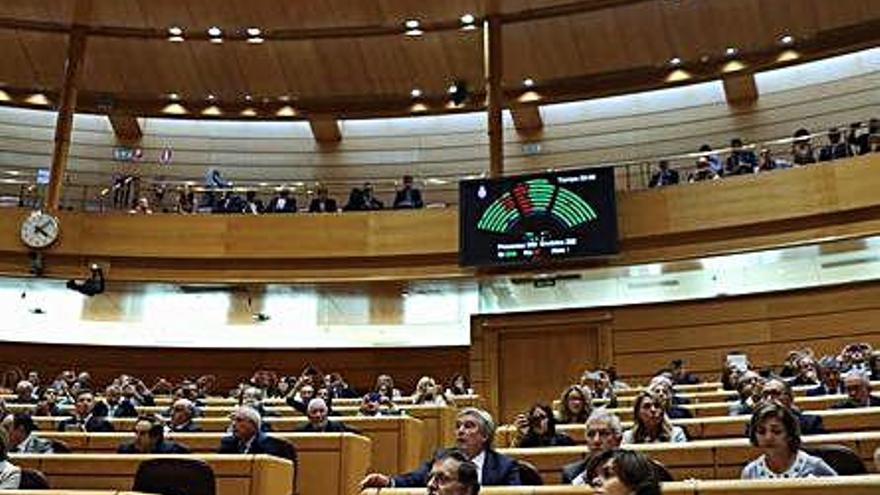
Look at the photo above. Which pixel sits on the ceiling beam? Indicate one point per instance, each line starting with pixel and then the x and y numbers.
pixel 325 129
pixel 740 89
pixel 126 127
pixel 527 119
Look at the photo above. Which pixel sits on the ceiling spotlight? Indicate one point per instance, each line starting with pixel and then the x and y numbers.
pixel 284 98
pixel 215 31
pixel 412 27
pixel 416 93
pixel 254 32
pixel 787 39
pixel 175 34
pixel 730 51
pixel 468 22
pixel 211 97
pixel 528 82
pixel 675 61
pixel 248 98
pixel 173 96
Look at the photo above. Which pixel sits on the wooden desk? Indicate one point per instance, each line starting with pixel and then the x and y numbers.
pixel 396 442
pixel 329 463
pixel 835 420
pixel 700 459
pixel 849 485
pixel 235 474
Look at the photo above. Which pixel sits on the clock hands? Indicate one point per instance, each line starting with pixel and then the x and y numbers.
pixel 39 228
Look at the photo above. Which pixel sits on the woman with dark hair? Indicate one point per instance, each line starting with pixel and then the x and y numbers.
pixel 651 422
pixel 575 405
pixel 459 385
pixel 10 474
pixel 537 428
pixel 774 429
pixel 623 472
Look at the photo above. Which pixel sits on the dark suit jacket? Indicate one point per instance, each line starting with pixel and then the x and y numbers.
pixel 289 205
pixel 415 198
pixel 329 206
pixel 94 424
pixel 810 424
pixel 262 444
pixel 667 178
pixel 848 403
pixel 498 469
pixel 329 427
pixel 572 470
pixel 163 447
pixel 823 390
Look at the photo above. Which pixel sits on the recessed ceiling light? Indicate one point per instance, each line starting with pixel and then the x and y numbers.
pixel 248 97
pixel 528 82
pixel 284 98
pixel 211 97
pixel 412 27
pixel 254 31
pixel 215 31
pixel 468 19
pixel 452 88
pixel 787 39
pixel 675 61
pixel 730 51
pixel 173 96
pixel 175 31
pixel 416 93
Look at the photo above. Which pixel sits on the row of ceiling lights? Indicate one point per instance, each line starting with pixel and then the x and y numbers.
pixel 412 27
pixel 732 51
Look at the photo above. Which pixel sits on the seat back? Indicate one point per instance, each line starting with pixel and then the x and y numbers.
pixel 842 459
pixel 31 479
pixel 528 473
pixel 175 476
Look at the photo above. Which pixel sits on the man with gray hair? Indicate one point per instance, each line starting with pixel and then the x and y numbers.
pixel 181 421
pixel 474 431
pixel 603 432
pixel 247 438
pixel 858 388
pixel 319 422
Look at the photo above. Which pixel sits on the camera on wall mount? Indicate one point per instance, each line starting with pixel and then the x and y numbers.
pixel 91 286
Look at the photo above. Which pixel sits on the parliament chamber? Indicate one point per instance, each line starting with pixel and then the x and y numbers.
pixel 400 247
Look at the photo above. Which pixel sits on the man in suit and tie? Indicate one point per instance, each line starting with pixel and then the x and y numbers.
pixel 604 432
pixel 84 416
pixel 474 430
pixel 409 196
pixel 321 203
pixel 149 438
pixel 248 438
pixel 283 203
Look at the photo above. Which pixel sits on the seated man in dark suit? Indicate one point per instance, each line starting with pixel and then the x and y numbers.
pixel 150 439
pixel 318 423
pixel 283 203
pixel 321 203
pixel 604 432
pixel 117 405
pixel 779 390
pixel 181 421
pixel 858 388
pixel 829 377
pixel 84 417
pixel 409 196
pixel 248 438
pixel 453 474
pixel 665 176
pixel 474 430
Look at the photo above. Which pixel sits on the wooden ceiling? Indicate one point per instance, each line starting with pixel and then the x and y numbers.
pixel 339 55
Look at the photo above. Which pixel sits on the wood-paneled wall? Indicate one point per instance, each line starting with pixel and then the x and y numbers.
pixel 359 366
pixel 518 359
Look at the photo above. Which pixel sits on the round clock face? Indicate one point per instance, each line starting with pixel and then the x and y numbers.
pixel 39 230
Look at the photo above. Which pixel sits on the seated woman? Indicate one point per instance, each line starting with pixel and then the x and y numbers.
pixel 623 472
pixel 429 393
pixel 651 423
pixel 459 385
pixel 774 429
pixel 537 428
pixel 385 387
pixel 575 405
pixel 601 385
